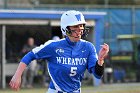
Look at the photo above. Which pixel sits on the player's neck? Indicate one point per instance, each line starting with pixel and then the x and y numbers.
pixel 73 39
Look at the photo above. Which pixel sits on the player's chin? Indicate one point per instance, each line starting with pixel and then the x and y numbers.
pixel 77 38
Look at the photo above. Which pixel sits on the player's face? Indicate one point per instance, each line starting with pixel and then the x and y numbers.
pixel 76 32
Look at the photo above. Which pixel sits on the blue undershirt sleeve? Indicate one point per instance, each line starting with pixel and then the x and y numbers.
pixel 28 58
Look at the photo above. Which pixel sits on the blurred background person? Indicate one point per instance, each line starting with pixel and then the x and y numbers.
pixel 56 38
pixel 29 73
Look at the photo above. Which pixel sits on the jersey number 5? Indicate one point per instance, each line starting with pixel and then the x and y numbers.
pixel 73 71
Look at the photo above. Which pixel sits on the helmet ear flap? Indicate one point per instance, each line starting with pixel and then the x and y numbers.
pixel 68 31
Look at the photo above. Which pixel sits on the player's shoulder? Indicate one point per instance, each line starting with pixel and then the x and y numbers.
pixel 50 44
pixel 53 42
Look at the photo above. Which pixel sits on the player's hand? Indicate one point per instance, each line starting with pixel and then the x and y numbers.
pixel 103 53
pixel 15 82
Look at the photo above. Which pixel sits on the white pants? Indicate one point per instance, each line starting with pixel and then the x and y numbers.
pixel 55 91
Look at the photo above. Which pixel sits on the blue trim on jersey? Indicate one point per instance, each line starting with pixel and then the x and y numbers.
pixel 28 58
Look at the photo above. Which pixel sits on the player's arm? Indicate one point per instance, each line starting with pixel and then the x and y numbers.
pixel 36 53
pixel 103 53
pixel 16 79
pixel 99 67
pixel 96 64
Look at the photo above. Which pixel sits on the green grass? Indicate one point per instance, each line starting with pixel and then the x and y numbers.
pixel 35 90
pixel 110 88
pixel 113 88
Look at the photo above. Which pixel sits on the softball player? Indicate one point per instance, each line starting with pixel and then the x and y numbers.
pixel 67 58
